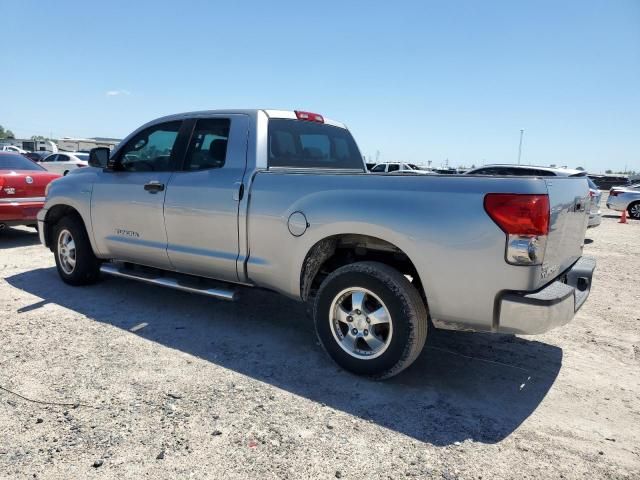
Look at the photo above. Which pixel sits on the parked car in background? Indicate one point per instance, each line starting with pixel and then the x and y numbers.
pixel 22 189
pixel 64 162
pixel 398 167
pixel 37 156
pixel 604 182
pixel 12 148
pixel 280 200
pixel 595 216
pixel 625 198
pixel 632 186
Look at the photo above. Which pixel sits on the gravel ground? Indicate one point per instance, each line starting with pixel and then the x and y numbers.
pixel 208 389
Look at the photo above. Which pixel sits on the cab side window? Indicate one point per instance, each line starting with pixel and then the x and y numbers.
pixel 393 167
pixel 150 150
pixel 379 168
pixel 208 146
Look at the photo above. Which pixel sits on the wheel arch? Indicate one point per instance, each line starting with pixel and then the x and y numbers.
pixel 54 214
pixel 337 250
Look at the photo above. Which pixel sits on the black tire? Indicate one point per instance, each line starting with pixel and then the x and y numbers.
pixel 65 173
pixel 87 267
pixel 634 210
pixel 407 311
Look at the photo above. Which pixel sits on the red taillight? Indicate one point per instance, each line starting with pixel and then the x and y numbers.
pixel 614 193
pixel 519 214
pixel 80 165
pixel 308 116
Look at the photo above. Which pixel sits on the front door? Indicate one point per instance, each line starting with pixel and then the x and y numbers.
pixel 201 203
pixel 128 198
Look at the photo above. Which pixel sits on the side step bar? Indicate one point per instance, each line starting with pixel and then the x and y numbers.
pixel 166 281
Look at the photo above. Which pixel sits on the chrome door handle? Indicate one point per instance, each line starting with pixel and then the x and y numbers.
pixel 154 187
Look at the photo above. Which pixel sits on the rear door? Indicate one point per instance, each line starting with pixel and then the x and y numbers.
pixel 569 204
pixel 201 204
pixel 127 202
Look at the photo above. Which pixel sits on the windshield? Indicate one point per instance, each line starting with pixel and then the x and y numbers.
pixel 11 161
pixel 302 144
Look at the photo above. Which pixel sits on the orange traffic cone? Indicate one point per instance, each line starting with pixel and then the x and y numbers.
pixel 623 217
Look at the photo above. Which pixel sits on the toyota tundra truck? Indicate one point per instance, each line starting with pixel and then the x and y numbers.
pixel 219 202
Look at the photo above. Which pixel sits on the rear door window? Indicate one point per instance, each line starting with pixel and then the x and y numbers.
pixel 393 167
pixel 302 144
pixel 208 147
pixel 378 168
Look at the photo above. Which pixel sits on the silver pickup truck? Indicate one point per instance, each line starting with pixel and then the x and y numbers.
pixel 216 202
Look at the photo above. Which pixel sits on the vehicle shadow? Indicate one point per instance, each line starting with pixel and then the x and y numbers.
pixel 18 237
pixel 463 386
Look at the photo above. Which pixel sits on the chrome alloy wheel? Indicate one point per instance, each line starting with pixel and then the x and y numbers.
pixel 634 211
pixel 360 323
pixel 66 251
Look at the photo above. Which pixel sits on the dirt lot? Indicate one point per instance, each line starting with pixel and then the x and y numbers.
pixel 219 390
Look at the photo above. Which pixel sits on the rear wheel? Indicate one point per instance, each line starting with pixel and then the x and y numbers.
pixel 634 210
pixel 370 319
pixel 75 261
pixel 65 173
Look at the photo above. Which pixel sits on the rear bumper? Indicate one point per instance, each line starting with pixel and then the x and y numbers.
pixel 595 219
pixel 531 313
pixel 20 211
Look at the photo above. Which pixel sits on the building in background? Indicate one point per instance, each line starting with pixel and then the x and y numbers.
pixel 69 144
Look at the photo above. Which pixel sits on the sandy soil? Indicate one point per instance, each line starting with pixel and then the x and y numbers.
pixel 209 389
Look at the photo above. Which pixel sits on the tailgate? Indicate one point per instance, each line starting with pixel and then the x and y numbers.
pixel 569 203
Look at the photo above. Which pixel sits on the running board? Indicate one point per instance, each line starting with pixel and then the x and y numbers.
pixel 167 281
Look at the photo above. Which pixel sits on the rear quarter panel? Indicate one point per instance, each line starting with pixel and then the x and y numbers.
pixel 438 221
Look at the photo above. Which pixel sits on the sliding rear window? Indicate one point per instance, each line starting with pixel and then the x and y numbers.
pixel 302 144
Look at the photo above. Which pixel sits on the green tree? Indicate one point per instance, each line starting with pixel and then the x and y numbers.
pixel 608 171
pixel 580 168
pixel 6 133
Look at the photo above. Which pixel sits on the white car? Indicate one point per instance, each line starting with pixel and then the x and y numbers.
pixel 64 162
pixel 398 167
pixel 12 148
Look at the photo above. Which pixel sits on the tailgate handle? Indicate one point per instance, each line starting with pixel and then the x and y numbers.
pixel 154 187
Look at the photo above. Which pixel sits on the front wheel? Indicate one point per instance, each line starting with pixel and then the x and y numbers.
pixel 370 319
pixel 75 261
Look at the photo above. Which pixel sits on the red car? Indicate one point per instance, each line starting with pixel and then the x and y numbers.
pixel 22 189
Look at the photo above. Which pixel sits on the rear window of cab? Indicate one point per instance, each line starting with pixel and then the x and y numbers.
pixel 306 144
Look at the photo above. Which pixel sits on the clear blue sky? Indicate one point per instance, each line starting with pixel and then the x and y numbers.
pixel 414 80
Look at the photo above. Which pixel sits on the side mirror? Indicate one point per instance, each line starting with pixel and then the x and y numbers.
pixel 99 157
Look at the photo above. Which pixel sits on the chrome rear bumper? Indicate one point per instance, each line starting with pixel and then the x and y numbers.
pixel 531 313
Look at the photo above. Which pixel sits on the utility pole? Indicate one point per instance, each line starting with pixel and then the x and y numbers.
pixel 520 147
